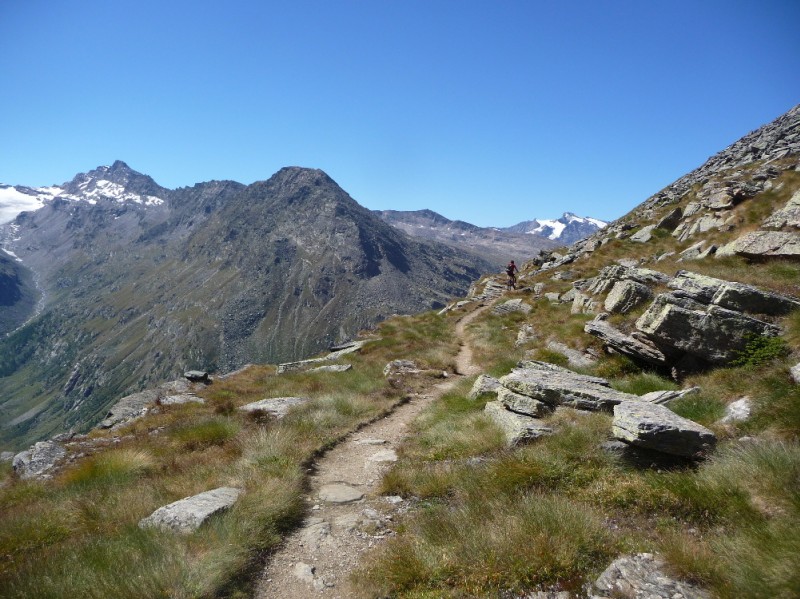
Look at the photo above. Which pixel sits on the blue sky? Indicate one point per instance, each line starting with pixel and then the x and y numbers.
pixel 491 112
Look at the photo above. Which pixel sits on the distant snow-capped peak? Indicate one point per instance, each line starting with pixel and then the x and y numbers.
pixel 86 187
pixel 554 229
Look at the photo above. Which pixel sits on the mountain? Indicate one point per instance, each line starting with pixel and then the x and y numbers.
pixel 566 230
pixel 498 245
pixel 639 390
pixel 137 283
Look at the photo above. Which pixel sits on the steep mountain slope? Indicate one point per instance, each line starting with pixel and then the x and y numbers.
pixel 496 245
pixel 141 282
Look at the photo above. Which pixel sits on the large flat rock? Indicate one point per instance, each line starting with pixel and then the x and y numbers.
pixel 555 386
pixel 639 349
pixel 276 406
pixel 653 426
pixel 764 244
pixel 188 514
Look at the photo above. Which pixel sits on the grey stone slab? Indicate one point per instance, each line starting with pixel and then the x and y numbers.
pixel 339 493
pixel 656 427
pixel 484 384
pixel 643 576
pixel 518 429
pixel 38 461
pixel 522 404
pixel 188 514
pixel 276 406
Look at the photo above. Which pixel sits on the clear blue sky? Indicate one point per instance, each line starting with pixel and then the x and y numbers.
pixel 491 112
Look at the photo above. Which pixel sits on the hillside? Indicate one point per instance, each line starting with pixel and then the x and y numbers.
pixel 140 283
pixel 634 432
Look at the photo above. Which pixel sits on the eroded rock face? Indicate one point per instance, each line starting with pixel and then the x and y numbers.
pixel 713 334
pixel 652 426
pixel 188 514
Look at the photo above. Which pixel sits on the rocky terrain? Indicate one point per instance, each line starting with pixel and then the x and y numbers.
pixel 633 432
pixel 137 283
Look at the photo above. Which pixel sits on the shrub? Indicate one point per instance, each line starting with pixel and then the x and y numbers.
pixel 761 350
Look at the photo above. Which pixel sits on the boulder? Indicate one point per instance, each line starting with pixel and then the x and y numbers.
pixel 129 408
pixel 400 367
pixel 764 244
pixel 732 295
pixel 670 220
pixel 652 426
pixel 642 576
pixel 484 384
pixel 555 386
pixel 522 404
pixel 711 333
pixel 197 376
pixel 642 350
pixel 38 461
pixel 583 304
pixel 514 305
pixel 188 514
pixel 644 234
pixel 276 406
pixel 693 251
pixel 625 296
pixel 552 297
pixel 609 275
pixel 517 429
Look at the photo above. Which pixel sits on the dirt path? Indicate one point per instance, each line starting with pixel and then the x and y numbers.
pixel 348 517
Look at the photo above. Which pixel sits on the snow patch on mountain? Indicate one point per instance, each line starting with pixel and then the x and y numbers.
pixel 14 200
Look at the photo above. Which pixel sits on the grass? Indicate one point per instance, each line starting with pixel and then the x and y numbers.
pixel 68 537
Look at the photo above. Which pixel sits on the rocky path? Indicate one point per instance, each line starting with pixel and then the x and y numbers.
pixel 348 515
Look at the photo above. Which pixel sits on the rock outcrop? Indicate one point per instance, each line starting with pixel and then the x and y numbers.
pixel 653 426
pixel 517 428
pixel 276 406
pixel 38 461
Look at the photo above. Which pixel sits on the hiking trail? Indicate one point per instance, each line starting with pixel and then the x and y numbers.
pixel 348 516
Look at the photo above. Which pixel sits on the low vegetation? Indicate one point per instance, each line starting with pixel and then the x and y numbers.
pixel 486 521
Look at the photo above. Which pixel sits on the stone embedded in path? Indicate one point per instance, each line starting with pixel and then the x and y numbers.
pixel 339 493
pixel 642 576
pixel 517 429
pixel 188 514
pixel 37 461
pixel 656 427
pixel 276 406
pixel 555 386
pixel 370 441
pixel 385 455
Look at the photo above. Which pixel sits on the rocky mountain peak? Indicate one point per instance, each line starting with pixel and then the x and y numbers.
pixel 116 182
